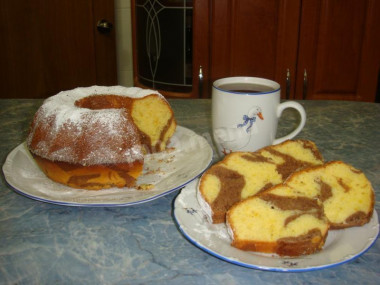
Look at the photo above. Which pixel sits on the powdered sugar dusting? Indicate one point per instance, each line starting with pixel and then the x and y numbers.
pixel 62 105
pixel 94 136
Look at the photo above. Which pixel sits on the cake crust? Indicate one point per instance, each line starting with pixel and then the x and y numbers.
pixel 282 224
pixel 96 137
pixel 94 177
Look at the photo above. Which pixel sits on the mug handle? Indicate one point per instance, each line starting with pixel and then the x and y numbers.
pixel 301 110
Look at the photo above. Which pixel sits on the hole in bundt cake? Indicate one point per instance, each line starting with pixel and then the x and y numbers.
pixel 104 101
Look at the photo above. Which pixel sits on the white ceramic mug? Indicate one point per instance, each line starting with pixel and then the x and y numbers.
pixel 245 114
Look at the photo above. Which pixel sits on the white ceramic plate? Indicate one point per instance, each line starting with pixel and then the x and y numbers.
pixel 187 157
pixel 341 245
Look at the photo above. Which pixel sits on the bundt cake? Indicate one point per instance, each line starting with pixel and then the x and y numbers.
pixel 96 137
pixel 243 174
pixel 347 195
pixel 278 223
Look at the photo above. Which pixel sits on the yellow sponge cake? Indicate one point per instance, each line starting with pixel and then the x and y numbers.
pixel 96 137
pixel 243 174
pixel 292 218
pixel 347 195
pixel 155 120
pixel 280 223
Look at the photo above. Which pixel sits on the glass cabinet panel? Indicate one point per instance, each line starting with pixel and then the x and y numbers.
pixel 164 44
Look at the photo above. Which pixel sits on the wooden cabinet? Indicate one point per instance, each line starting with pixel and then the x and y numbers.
pixel 253 38
pixel 339 47
pixel 49 46
pixel 316 49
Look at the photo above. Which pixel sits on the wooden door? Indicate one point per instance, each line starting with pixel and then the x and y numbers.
pixel 53 45
pixel 339 50
pixel 254 38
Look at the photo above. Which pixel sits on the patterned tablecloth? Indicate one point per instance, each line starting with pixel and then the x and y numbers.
pixel 44 243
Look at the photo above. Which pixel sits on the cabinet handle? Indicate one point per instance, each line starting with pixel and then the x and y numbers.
pixel 104 27
pixel 200 82
pixel 304 93
pixel 287 94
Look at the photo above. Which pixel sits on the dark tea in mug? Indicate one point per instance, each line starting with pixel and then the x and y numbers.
pixel 246 111
pixel 246 88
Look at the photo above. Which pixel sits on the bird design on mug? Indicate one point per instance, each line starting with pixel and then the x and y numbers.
pixel 250 119
pixel 240 136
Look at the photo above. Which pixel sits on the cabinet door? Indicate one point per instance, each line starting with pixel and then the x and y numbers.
pixel 49 46
pixel 254 38
pixel 339 50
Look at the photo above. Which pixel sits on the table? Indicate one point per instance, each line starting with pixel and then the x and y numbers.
pixel 42 243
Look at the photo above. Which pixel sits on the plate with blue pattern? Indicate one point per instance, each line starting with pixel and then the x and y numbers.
pixel 186 157
pixel 341 246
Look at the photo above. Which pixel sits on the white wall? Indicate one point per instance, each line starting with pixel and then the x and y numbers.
pixel 123 28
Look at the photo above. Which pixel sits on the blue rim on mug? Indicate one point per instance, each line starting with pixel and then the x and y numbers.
pixel 247 79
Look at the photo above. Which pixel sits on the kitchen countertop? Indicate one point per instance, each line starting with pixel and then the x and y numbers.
pixel 42 243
